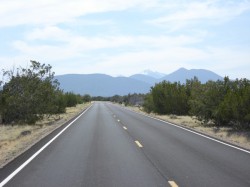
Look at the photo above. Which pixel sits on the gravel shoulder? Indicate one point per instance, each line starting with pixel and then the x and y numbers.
pixel 239 138
pixel 16 139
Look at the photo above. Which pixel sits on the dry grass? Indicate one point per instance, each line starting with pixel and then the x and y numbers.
pixel 237 137
pixel 13 143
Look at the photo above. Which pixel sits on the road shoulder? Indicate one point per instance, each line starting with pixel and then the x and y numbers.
pixel 240 138
pixel 16 140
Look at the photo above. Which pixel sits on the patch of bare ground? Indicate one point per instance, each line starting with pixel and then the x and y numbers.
pixel 16 139
pixel 237 137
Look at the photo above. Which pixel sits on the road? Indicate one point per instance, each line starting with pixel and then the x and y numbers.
pixel 111 146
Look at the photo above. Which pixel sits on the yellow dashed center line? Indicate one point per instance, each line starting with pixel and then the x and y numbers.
pixel 125 128
pixel 138 143
pixel 172 184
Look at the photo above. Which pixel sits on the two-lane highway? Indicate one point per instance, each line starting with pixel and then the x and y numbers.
pixel 94 151
pixel 112 146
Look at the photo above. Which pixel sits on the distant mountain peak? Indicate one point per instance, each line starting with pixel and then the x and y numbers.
pixel 106 85
pixel 153 74
pixel 101 84
pixel 182 69
pixel 183 74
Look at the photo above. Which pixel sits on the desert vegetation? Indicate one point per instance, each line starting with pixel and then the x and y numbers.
pixel 221 103
pixel 30 94
pixel 31 106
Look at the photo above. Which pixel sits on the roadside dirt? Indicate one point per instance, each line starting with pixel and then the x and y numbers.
pixel 237 137
pixel 16 139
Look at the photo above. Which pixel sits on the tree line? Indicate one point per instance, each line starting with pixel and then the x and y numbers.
pixel 28 94
pixel 223 102
pixel 130 99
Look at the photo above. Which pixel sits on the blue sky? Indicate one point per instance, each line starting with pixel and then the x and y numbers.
pixel 119 37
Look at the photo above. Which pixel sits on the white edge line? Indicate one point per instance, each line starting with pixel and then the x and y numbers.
pixel 6 180
pixel 205 136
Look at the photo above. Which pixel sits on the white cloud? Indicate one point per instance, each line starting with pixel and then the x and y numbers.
pixel 48 33
pixel 161 53
pixel 56 43
pixel 229 57
pixel 47 12
pixel 195 12
pixel 45 53
pixel 53 33
pixel 92 22
pixel 69 50
pixel 134 51
pixel 225 61
pixel 165 59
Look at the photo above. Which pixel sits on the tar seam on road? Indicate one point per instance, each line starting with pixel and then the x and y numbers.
pixel 194 132
pixel 6 180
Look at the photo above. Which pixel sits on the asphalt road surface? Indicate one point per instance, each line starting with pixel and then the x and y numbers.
pixel 111 146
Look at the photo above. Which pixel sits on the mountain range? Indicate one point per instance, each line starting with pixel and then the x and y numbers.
pixel 105 85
